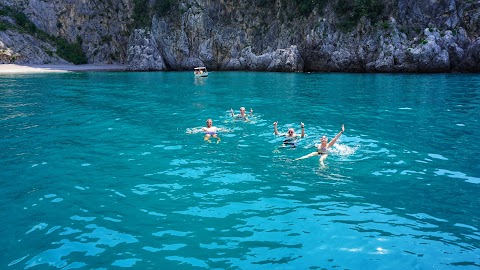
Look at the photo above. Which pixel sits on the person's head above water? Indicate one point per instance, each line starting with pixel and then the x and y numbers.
pixel 324 140
pixel 209 122
pixel 290 131
pixel 242 115
pixel 242 111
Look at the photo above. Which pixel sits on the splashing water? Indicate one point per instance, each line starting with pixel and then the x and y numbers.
pixel 343 149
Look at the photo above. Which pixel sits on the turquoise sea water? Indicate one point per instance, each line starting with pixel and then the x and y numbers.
pixel 102 171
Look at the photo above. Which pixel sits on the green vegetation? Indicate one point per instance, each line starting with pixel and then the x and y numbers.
pixel 71 52
pixel 23 22
pixel 163 7
pixel 4 26
pixel 384 24
pixel 265 3
pixel 350 12
pixel 300 7
pixel 305 7
pixel 143 11
pixel 141 15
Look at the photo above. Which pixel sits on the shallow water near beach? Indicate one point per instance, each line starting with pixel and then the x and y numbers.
pixel 107 170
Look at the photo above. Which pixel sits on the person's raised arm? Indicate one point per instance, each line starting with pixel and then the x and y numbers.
pixel 251 111
pixel 302 126
pixel 231 111
pixel 275 127
pixel 332 142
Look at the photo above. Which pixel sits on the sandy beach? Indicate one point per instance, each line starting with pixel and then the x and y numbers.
pixel 14 68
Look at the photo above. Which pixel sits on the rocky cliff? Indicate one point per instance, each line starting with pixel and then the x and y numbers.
pixel 101 28
pixel 271 35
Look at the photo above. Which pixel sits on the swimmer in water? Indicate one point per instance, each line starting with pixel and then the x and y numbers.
pixel 291 137
pixel 322 148
pixel 242 115
pixel 210 131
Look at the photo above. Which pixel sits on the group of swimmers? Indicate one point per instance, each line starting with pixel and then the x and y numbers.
pixel 291 137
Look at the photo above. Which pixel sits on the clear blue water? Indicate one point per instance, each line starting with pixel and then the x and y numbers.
pixel 99 171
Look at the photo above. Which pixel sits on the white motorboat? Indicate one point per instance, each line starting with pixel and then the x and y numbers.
pixel 200 72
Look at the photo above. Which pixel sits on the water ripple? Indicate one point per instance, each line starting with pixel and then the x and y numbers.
pixel 109 170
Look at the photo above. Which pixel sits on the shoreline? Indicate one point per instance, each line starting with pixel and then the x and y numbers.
pixel 63 68
pixel 19 69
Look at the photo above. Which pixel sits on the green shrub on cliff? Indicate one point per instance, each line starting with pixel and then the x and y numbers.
pixel 20 19
pixel 143 11
pixel 141 15
pixel 349 12
pixel 305 7
pixel 71 52
pixel 4 26
pixel 162 7
pixel 296 8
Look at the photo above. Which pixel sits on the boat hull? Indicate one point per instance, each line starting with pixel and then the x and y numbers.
pixel 200 72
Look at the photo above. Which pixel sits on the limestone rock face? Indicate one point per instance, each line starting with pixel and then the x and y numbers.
pixel 267 35
pixel 472 58
pixel 25 49
pixel 102 26
pixel 142 53
pixel 429 55
pixel 286 60
pixel 225 37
